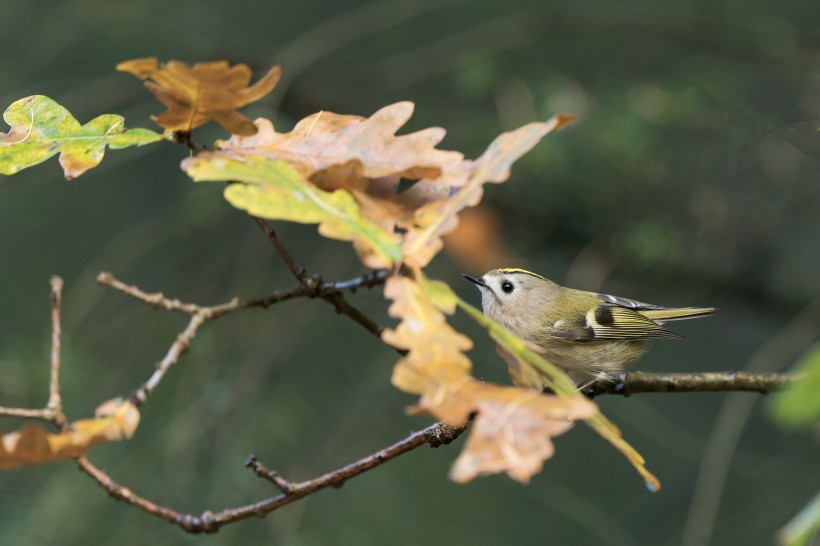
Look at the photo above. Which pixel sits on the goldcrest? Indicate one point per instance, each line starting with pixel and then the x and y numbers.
pixel 590 336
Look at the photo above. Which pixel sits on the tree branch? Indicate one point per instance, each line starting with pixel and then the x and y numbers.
pixel 210 522
pixel 53 412
pixel 313 288
pixel 629 383
pixel 55 402
pixel 330 292
pixel 299 273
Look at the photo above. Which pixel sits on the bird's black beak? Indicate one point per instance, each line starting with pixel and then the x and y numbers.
pixel 477 280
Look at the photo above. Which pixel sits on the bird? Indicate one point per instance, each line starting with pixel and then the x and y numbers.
pixel 590 336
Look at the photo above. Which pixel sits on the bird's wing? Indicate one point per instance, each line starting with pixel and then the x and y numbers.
pixel 608 322
pixel 658 313
pixel 626 302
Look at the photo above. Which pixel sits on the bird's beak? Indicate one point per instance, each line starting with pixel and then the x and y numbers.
pixel 477 280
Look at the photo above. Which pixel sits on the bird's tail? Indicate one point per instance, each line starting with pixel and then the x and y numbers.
pixel 677 313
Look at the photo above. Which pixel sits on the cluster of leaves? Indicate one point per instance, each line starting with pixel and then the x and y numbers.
pixel 342 172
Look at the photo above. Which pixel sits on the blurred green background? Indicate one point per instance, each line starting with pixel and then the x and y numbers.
pixel 690 178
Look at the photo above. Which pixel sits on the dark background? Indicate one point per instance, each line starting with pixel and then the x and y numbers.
pixel 690 178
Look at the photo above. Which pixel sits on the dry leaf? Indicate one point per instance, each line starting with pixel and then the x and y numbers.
pixel 204 92
pixel 323 142
pixel 435 219
pixel 32 444
pixel 363 156
pixel 435 367
pixel 513 430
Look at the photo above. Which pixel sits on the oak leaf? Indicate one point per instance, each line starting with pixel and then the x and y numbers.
pixel 32 444
pixel 41 128
pixel 363 156
pixel 207 91
pixel 513 430
pixel 275 190
pixel 435 366
pixel 333 145
pixel 434 219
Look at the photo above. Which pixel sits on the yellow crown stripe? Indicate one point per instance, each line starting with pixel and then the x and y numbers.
pixel 524 271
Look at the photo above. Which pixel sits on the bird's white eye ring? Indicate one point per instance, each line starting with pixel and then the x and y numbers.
pixel 507 287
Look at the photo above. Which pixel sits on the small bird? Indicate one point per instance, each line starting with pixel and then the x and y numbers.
pixel 590 336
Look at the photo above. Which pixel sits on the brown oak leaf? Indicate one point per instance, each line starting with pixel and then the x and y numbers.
pixel 204 92
pixel 513 430
pixel 333 145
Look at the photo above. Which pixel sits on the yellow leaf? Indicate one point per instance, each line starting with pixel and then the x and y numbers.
pixel 207 91
pixel 32 444
pixel 275 190
pixel 435 367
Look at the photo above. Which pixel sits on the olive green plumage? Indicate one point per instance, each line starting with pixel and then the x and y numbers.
pixel 590 336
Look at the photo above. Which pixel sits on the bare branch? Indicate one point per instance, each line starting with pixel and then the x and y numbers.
pixel 639 382
pixel 156 299
pixel 298 272
pixel 343 307
pixel 178 347
pixel 317 289
pixel 53 412
pixel 330 292
pixel 313 288
pixel 271 475
pixel 210 522
pixel 26 413
pixel 55 403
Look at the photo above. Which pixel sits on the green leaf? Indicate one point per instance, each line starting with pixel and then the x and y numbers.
pixel 274 189
pixel 803 527
pixel 41 128
pixel 798 406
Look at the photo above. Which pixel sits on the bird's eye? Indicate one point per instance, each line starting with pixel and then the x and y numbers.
pixel 507 287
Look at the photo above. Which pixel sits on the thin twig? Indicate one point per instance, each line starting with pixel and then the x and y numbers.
pixel 178 347
pixel 186 137
pixel 640 382
pixel 320 290
pixel 298 272
pixel 210 522
pixel 343 307
pixel 328 291
pixel 271 475
pixel 53 412
pixel 55 403
pixel 27 413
